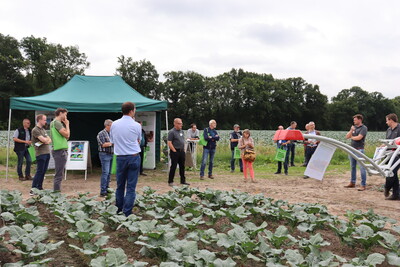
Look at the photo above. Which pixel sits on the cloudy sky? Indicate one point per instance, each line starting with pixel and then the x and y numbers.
pixel 335 44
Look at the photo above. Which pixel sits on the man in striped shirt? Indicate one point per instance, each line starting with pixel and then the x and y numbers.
pixel 106 151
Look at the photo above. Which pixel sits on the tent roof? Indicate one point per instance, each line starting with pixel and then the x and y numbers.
pixel 89 94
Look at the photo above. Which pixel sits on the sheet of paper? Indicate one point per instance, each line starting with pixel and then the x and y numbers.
pixel 319 161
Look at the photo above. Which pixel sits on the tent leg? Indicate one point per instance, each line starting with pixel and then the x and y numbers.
pixel 166 127
pixel 8 142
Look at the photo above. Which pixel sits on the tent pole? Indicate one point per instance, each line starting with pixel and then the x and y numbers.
pixel 166 125
pixel 8 142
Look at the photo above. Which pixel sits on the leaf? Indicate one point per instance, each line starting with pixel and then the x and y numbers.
pixel 293 256
pixel 115 257
pixel 98 262
pixel 374 259
pixel 224 263
pixel 206 255
pixel 190 248
pixel 7 216
pixel 393 259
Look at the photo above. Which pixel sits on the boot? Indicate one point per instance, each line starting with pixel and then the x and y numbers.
pixel 350 185
pixel 362 188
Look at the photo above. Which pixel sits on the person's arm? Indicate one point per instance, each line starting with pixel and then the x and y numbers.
pixel 65 130
pixel 45 140
pixel 171 146
pixel 241 144
pixel 349 134
pixel 21 141
pixel 103 142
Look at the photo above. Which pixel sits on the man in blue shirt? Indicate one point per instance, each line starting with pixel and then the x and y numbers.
pixel 124 134
pixel 211 136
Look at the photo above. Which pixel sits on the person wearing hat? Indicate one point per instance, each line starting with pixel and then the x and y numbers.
pixel 234 140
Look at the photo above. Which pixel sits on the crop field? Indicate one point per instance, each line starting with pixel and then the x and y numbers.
pixel 261 137
pixel 189 227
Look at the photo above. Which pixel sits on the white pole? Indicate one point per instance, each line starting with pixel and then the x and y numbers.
pixel 8 142
pixel 166 125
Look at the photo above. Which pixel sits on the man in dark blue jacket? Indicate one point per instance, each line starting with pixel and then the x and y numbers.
pixel 211 136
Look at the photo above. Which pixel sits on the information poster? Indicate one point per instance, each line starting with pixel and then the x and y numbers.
pixel 148 120
pixel 319 161
pixel 77 155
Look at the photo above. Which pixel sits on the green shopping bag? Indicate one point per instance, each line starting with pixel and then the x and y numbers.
pixel 202 141
pixel 114 165
pixel 236 153
pixel 32 153
pixel 280 154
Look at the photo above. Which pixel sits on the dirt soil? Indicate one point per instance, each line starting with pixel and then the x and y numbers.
pixel 293 188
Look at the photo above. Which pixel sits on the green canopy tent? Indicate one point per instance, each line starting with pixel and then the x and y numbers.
pixel 90 94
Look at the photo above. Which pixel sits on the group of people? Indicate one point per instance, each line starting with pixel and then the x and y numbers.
pixel 176 144
pixel 24 137
pixel 126 139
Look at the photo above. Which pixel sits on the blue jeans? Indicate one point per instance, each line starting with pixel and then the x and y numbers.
pixel 105 159
pixel 21 155
pixel 233 162
pixel 42 163
pixel 353 164
pixel 207 152
pixel 127 176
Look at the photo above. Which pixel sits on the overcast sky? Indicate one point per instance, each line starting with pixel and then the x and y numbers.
pixel 335 44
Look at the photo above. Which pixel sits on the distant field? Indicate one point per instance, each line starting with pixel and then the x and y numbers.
pixel 261 137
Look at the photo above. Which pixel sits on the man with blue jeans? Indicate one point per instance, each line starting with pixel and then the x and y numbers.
pixel 41 142
pixel 211 136
pixel 22 141
pixel 106 155
pixel 357 134
pixel 124 134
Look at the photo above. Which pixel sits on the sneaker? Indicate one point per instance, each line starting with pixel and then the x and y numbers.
pixel 31 193
pixel 211 176
pixel 185 183
pixel 277 172
pixel 286 173
pixel 292 165
pixel 306 177
pixel 201 177
pixel 362 188
pixel 254 181
pixel 28 177
pixel 143 174
pixel 22 178
pixel 171 184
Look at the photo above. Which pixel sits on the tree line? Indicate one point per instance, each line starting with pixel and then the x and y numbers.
pixel 33 66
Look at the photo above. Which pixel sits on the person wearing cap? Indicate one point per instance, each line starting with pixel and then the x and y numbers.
pixel 234 140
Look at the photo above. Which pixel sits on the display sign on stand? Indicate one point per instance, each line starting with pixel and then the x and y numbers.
pixel 78 156
pixel 148 120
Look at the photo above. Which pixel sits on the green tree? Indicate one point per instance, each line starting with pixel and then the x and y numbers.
pixel 141 75
pixel 12 82
pixel 64 63
pixel 51 65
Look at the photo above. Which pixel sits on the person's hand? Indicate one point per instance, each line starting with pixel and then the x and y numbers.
pixel 28 142
pixel 66 122
pixel 352 128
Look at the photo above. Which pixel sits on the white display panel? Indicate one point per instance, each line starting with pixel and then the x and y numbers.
pixel 148 120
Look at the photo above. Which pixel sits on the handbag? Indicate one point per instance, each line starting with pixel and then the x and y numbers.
pixel 280 154
pixel 202 141
pixel 249 155
pixel 236 153
pixel 32 153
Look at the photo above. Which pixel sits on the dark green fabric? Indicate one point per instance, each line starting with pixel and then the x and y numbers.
pixel 89 94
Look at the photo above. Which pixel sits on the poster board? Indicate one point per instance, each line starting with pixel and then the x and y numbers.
pixel 148 120
pixel 319 161
pixel 78 154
